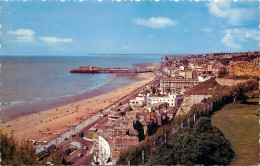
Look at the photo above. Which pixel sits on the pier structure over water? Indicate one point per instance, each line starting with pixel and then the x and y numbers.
pixel 118 70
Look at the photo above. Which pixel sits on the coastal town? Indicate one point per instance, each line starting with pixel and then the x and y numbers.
pixel 104 127
pixel 157 104
pixel 129 82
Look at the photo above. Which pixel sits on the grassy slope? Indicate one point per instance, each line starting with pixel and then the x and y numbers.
pixel 241 127
pixel 208 87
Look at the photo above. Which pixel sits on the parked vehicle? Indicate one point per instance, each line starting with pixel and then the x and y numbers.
pixel 49 163
pixel 45 152
pixel 41 154
pixel 80 155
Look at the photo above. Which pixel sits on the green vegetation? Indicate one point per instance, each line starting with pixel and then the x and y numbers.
pixel 240 125
pixel 13 154
pixel 222 72
pixel 56 156
pixel 219 98
pixel 139 127
pixel 202 144
pixel 134 154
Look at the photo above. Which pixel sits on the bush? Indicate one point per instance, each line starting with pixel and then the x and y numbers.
pixel 204 144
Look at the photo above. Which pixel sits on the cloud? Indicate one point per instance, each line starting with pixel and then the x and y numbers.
pixel 235 37
pixel 23 35
pixel 155 22
pixel 207 30
pixel 235 16
pixel 53 40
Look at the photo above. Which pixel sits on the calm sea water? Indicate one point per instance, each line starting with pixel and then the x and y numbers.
pixel 32 83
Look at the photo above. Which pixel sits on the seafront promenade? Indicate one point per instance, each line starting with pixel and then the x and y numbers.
pixel 58 140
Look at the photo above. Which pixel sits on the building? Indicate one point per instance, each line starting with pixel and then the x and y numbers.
pixel 172 100
pixel 138 102
pixel 181 68
pixel 188 74
pixel 111 142
pixel 209 67
pixel 176 85
pixel 104 150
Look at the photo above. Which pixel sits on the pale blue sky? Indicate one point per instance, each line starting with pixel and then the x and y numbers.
pixel 82 28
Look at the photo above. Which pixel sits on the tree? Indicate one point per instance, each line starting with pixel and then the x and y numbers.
pixel 203 144
pixel 13 154
pixel 9 150
pixel 162 156
pixel 56 156
pixel 222 72
pixel 139 127
pixel 241 89
pixel 28 156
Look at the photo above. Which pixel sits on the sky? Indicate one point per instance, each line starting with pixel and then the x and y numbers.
pixel 128 27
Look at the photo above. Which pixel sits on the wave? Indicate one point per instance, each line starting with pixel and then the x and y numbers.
pixel 89 89
pixel 37 99
pixel 15 102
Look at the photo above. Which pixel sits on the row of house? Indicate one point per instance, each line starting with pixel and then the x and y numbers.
pixel 127 125
pixel 172 100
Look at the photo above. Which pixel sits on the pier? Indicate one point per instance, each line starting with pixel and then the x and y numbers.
pixel 92 70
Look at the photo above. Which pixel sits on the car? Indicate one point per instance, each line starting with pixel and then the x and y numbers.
pixel 80 155
pixel 85 147
pixel 66 138
pixel 49 163
pixel 81 134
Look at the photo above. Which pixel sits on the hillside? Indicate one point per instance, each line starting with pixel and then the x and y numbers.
pixel 209 87
pixel 241 127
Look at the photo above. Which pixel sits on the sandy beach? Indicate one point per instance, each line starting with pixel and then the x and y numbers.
pixel 46 125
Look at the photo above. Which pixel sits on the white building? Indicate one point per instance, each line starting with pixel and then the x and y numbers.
pixel 138 101
pixel 104 151
pixel 202 79
pixel 181 68
pixel 172 100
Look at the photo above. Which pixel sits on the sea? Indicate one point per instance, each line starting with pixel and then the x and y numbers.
pixel 30 84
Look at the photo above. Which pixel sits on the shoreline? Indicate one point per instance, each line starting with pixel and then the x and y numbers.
pixel 58 119
pixel 36 107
